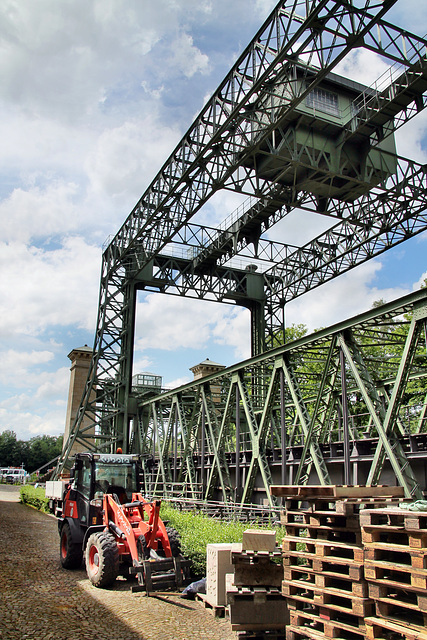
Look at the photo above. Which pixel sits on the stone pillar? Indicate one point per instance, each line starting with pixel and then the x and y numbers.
pixel 206 368
pixel 80 363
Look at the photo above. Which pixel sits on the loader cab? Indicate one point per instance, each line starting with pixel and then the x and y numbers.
pixel 119 477
pixel 95 474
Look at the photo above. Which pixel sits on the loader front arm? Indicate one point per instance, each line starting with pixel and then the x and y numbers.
pixel 131 520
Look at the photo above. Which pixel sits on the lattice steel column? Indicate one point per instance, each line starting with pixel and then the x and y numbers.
pixel 388 438
pixel 390 441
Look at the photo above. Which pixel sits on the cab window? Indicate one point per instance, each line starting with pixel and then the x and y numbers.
pixel 84 478
pixel 112 476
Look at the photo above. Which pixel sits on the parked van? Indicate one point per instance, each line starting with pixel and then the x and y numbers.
pixel 14 475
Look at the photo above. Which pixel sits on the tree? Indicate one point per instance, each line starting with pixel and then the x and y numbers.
pixel 40 450
pixel 10 449
pixel 32 454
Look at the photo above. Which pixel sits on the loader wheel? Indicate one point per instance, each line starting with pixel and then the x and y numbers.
pixel 174 541
pixel 102 559
pixel 71 554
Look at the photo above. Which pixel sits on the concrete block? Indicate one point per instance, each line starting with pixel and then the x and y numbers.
pixel 260 574
pixel 218 565
pixel 257 610
pixel 255 614
pixel 259 540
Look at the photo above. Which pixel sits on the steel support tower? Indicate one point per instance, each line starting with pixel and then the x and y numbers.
pixel 285 130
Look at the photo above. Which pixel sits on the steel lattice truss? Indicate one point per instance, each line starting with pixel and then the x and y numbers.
pixel 264 134
pixel 222 437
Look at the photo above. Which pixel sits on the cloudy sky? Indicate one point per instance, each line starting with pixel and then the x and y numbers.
pixel 94 95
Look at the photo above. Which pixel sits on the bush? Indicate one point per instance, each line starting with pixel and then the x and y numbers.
pixel 35 497
pixel 197 531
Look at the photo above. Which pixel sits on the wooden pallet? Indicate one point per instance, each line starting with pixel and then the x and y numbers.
pixel 308 633
pixel 340 584
pixel 251 557
pixel 395 517
pixel 412 599
pixel 261 568
pixel 331 628
pixel 397 575
pixel 297 633
pixel 400 614
pixel 344 602
pixel 324 549
pixel 383 629
pixel 398 555
pixel 345 619
pixel 321 519
pixel 331 533
pixel 337 568
pixel 349 507
pixel 335 492
pixel 218 611
pixel 394 536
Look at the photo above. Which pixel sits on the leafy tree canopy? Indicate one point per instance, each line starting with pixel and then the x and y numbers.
pixel 32 454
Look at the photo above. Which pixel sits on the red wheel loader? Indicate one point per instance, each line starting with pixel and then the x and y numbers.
pixel 104 519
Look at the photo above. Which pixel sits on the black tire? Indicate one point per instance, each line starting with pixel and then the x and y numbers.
pixel 71 554
pixel 174 541
pixel 102 559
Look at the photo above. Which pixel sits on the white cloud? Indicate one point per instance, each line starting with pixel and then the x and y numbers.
pixel 54 386
pixel 363 66
pixel 65 60
pixel 37 213
pixel 169 323
pixel 41 408
pixel 141 365
pixel 410 138
pixel 264 6
pixel 127 157
pixel 30 423
pixel 34 145
pixel 40 288
pixel 421 282
pixel 346 296
pixel 178 382
pixel 16 365
pixel 172 323
pixel 233 330
pixel 187 59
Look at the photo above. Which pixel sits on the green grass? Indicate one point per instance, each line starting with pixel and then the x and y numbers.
pixel 197 531
pixel 34 497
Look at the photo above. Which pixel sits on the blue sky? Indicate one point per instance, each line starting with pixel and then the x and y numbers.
pixel 94 95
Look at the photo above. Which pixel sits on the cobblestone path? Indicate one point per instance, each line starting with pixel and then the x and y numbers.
pixel 41 601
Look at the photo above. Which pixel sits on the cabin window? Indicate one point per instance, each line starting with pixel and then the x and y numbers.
pixel 322 100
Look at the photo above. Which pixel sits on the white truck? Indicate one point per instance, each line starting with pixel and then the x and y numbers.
pixel 14 475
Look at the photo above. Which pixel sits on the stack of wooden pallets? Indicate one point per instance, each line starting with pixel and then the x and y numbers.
pixel 323 555
pixel 395 561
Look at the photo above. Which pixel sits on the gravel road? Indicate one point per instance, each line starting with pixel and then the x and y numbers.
pixel 41 601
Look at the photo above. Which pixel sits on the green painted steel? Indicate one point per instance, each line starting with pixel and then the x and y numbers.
pixel 290 135
pixel 386 341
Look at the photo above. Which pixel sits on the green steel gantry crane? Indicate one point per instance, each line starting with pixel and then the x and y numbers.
pixel 287 131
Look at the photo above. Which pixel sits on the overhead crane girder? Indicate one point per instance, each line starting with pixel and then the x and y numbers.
pixel 285 129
